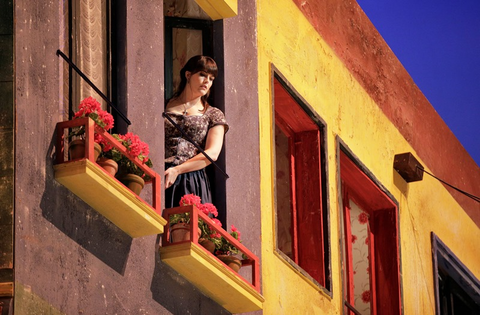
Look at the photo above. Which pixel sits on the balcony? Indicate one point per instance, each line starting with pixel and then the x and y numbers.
pixel 102 191
pixel 208 273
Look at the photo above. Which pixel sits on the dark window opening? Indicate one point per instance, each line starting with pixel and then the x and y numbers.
pixel 184 38
pixel 457 290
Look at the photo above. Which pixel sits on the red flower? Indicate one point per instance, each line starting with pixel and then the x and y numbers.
pixel 217 222
pixel 90 107
pixel 366 296
pixel 363 218
pixel 354 238
pixel 190 199
pixel 107 119
pixel 208 208
pixel 135 146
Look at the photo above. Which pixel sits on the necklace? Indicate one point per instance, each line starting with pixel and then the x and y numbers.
pixel 185 111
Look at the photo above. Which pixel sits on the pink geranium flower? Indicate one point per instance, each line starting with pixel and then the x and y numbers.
pixel 90 107
pixel 190 199
pixel 208 209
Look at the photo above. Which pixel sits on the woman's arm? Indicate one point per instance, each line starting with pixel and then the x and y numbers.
pixel 213 147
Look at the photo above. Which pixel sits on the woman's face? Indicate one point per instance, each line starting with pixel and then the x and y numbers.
pixel 200 82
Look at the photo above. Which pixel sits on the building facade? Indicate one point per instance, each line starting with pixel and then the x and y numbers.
pixel 329 146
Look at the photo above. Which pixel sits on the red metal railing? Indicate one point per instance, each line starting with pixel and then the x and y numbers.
pixel 195 215
pixel 90 129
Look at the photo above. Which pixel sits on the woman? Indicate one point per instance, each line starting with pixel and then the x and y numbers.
pixel 205 124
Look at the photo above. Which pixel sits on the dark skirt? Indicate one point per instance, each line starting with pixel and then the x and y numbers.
pixel 195 182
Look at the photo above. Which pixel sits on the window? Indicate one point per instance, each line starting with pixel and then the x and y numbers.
pixel 300 190
pixel 189 31
pixel 184 38
pixel 96 45
pixel 457 291
pixel 371 259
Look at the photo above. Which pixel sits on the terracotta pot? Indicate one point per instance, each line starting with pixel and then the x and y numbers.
pixel 231 261
pixel 109 165
pixel 207 244
pixel 134 182
pixel 181 232
pixel 76 149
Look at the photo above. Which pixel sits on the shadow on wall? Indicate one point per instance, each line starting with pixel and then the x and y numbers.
pixel 81 223
pixel 176 294
pixel 400 183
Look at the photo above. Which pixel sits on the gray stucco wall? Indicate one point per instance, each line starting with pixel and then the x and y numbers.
pixel 242 140
pixel 69 258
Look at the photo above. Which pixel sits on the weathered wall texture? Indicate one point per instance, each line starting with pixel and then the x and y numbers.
pixel 354 112
pixel 346 28
pixel 241 110
pixel 70 259
pixel 7 125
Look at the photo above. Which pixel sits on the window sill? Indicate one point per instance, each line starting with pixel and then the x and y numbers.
pixel 109 197
pixel 302 274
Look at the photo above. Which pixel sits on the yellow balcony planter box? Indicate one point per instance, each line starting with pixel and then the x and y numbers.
pixel 109 197
pixel 204 270
pixel 219 9
pixel 102 191
pixel 212 277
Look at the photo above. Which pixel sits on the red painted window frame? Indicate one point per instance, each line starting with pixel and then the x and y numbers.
pixel 305 157
pixel 385 290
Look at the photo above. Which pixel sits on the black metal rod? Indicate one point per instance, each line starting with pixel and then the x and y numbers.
pixel 194 143
pixel 476 198
pixel 80 73
pixel 351 308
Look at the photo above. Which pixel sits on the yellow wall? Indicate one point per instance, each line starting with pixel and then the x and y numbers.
pixel 288 41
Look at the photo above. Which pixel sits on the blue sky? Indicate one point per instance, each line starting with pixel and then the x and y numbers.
pixel 438 42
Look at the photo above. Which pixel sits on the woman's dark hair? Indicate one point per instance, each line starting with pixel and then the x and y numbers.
pixel 194 65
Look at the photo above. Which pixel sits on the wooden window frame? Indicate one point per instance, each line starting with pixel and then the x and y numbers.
pixel 360 186
pixel 309 214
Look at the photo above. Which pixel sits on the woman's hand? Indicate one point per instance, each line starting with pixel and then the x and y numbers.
pixel 171 175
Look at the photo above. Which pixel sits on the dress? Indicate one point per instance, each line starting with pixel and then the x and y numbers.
pixel 179 150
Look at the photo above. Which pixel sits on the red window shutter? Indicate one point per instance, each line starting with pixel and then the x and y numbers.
pixel 387 261
pixel 309 204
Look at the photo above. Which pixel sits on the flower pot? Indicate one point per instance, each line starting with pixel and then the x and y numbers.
pixel 231 261
pixel 181 232
pixel 207 244
pixel 76 149
pixel 134 182
pixel 109 165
